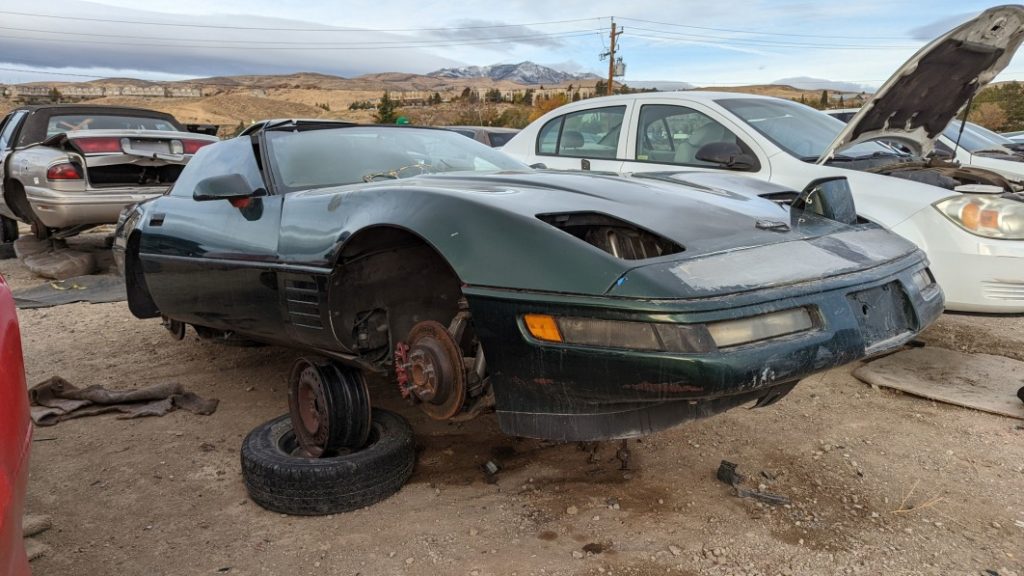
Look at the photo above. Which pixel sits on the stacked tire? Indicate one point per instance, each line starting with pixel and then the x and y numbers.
pixel 280 478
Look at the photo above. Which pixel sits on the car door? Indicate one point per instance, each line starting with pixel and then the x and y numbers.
pixel 588 139
pixel 667 135
pixel 8 136
pixel 214 262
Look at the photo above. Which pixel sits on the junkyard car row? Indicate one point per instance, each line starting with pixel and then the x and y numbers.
pixel 722 248
pixel 69 168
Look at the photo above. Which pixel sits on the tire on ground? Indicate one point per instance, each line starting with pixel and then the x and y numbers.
pixel 280 482
pixel 8 234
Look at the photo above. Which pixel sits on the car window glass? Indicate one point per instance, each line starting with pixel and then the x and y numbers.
pixel 234 156
pixel 547 140
pixel 501 138
pixel 796 128
pixel 306 159
pixel 591 133
pixel 69 122
pixel 674 134
pixel 8 130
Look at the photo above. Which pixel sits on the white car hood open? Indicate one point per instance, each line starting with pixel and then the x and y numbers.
pixel 917 102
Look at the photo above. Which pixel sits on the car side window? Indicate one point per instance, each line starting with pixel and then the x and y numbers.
pixel 673 134
pixel 7 133
pixel 234 156
pixel 584 134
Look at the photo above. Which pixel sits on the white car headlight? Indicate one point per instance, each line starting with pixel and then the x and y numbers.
pixel 988 216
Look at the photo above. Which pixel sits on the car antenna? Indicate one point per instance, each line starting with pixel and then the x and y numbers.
pixel 963 124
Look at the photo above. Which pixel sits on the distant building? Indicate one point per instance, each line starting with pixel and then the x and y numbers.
pixel 81 92
pixel 184 92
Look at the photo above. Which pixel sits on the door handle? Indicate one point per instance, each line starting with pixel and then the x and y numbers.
pixel 157 219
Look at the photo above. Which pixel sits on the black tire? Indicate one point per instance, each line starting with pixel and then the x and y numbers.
pixel 281 482
pixel 8 234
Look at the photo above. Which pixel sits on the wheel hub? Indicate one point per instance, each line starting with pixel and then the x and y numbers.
pixel 431 370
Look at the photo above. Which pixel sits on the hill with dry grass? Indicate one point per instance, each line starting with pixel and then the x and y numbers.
pixel 232 100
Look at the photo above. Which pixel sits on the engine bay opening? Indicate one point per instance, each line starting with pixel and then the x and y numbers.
pixel 616 237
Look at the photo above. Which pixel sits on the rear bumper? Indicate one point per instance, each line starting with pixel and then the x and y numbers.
pixel 59 209
pixel 569 393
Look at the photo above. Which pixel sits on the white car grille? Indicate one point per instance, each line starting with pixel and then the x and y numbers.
pixel 1003 290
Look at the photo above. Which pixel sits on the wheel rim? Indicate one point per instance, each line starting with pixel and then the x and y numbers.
pixel 329 407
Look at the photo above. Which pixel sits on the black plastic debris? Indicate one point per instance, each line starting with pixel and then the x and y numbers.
pixel 728 474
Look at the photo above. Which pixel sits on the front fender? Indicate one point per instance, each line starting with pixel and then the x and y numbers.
pixel 484 245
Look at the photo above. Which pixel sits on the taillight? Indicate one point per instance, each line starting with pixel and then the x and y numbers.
pixel 64 171
pixel 193 146
pixel 98 145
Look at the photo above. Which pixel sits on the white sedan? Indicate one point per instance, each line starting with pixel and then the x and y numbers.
pixel 970 222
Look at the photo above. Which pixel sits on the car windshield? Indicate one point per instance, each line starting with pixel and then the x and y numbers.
pixel 68 122
pixel 975 138
pixel 304 159
pixel 798 129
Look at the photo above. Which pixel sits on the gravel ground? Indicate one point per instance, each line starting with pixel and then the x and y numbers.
pixel 881 483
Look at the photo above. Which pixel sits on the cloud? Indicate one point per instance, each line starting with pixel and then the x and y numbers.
pixel 938 27
pixel 72 42
pixel 474 30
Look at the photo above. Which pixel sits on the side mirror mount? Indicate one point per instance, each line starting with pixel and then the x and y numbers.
pixel 830 198
pixel 223 187
pixel 539 166
pixel 726 154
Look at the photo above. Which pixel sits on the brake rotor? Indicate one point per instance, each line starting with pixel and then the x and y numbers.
pixel 434 370
pixel 329 407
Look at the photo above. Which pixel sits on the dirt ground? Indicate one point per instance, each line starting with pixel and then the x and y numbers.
pixel 880 483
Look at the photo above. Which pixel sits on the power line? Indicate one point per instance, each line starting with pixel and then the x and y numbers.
pixel 712 41
pixel 769 43
pixel 757 32
pixel 272 29
pixel 396 44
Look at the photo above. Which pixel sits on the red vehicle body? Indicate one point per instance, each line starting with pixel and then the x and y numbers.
pixel 15 438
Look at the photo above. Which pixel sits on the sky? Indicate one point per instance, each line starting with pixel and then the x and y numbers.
pixel 705 43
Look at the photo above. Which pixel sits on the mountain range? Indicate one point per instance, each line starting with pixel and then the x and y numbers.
pixel 521 73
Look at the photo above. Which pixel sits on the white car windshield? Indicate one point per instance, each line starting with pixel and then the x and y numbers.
pixel 798 129
pixel 314 158
pixel 976 138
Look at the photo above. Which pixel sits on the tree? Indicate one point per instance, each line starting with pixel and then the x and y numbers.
pixel 547 105
pixel 493 95
pixel 601 88
pixel 528 97
pixel 435 99
pixel 841 104
pixel 824 99
pixel 386 110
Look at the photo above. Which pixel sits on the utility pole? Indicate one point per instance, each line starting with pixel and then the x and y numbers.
pixel 611 59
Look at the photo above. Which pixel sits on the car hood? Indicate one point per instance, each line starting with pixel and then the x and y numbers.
pixel 916 103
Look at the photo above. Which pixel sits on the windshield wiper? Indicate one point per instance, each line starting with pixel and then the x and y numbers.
pixel 835 157
pixel 396 173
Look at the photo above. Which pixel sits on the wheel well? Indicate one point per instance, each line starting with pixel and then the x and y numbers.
pixel 14 197
pixel 386 280
pixel 139 301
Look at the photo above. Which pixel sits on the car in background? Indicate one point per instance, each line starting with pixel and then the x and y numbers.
pixel 68 167
pixel 15 439
pixel 493 136
pixel 974 146
pixel 969 221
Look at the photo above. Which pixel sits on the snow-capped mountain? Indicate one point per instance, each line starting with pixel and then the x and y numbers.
pixel 521 73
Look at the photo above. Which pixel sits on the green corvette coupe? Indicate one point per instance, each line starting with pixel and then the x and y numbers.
pixel 578 306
